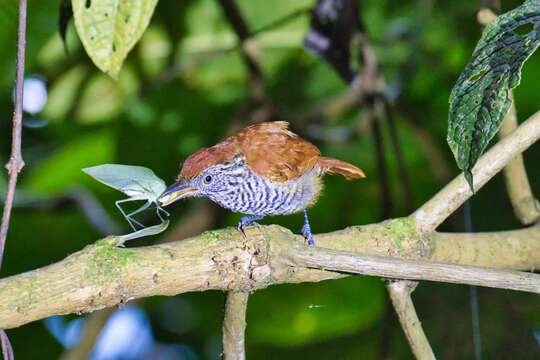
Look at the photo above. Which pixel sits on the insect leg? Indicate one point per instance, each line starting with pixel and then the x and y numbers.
pixel 127 217
pixel 142 208
pixel 158 209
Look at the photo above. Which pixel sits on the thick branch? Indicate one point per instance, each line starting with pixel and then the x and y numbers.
pixel 525 205
pixel 102 275
pixel 234 325
pixel 400 294
pixel 453 195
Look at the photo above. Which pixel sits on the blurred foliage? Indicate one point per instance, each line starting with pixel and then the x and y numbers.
pixel 184 86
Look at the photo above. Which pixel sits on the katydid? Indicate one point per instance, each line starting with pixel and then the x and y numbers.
pixel 137 182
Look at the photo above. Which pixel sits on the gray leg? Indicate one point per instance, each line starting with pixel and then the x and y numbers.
pixel 306 230
pixel 126 216
pixel 142 208
pixel 247 221
pixel 158 209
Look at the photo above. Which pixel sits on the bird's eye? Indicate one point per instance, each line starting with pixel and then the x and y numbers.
pixel 207 179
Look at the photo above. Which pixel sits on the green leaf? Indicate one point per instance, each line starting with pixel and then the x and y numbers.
pixel 481 97
pixel 110 28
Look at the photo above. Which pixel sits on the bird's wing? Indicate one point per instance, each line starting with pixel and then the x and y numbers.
pixel 273 151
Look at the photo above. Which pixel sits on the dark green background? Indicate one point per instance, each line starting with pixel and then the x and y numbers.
pixel 153 120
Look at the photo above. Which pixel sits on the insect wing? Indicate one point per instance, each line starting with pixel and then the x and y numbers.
pixel 131 180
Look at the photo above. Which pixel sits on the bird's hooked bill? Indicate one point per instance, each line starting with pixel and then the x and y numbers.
pixel 176 191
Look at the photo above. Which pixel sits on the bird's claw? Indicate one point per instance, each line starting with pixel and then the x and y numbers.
pixel 310 240
pixel 246 221
pixel 306 233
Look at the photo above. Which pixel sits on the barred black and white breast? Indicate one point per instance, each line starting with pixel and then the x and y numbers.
pixel 234 186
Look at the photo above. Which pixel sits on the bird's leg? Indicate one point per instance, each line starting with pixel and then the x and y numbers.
pixel 248 220
pixel 306 230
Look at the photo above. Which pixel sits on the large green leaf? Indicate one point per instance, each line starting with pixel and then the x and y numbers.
pixel 110 28
pixel 480 99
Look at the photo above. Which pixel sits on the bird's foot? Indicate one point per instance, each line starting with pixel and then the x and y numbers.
pixel 248 220
pixel 306 233
pixel 310 239
pixel 306 230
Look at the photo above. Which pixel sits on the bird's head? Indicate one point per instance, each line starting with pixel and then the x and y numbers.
pixel 214 173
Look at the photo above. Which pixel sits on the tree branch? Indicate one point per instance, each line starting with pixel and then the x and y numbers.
pixel 400 294
pixel 453 195
pixel 15 164
pixel 525 205
pixel 388 267
pixel 102 275
pixel 234 325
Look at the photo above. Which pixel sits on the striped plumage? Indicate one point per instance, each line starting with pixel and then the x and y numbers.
pixel 263 169
pixel 234 186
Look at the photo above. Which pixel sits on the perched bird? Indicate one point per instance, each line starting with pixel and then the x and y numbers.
pixel 263 169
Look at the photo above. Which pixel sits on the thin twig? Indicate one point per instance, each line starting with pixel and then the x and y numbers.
pixel 404 180
pixel 234 325
pixel 94 324
pixel 400 294
pixel 7 350
pixel 15 164
pixel 280 21
pixel 240 27
pixel 382 170
pixel 526 206
pixel 453 195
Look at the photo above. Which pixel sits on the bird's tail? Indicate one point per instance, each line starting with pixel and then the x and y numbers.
pixel 338 167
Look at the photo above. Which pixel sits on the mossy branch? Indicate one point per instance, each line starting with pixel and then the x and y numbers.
pixel 103 275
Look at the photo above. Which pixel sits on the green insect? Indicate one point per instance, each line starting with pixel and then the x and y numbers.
pixel 137 182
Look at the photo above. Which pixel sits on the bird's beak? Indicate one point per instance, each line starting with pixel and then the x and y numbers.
pixel 178 190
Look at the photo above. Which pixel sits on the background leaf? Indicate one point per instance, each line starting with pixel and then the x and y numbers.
pixel 480 99
pixel 110 28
